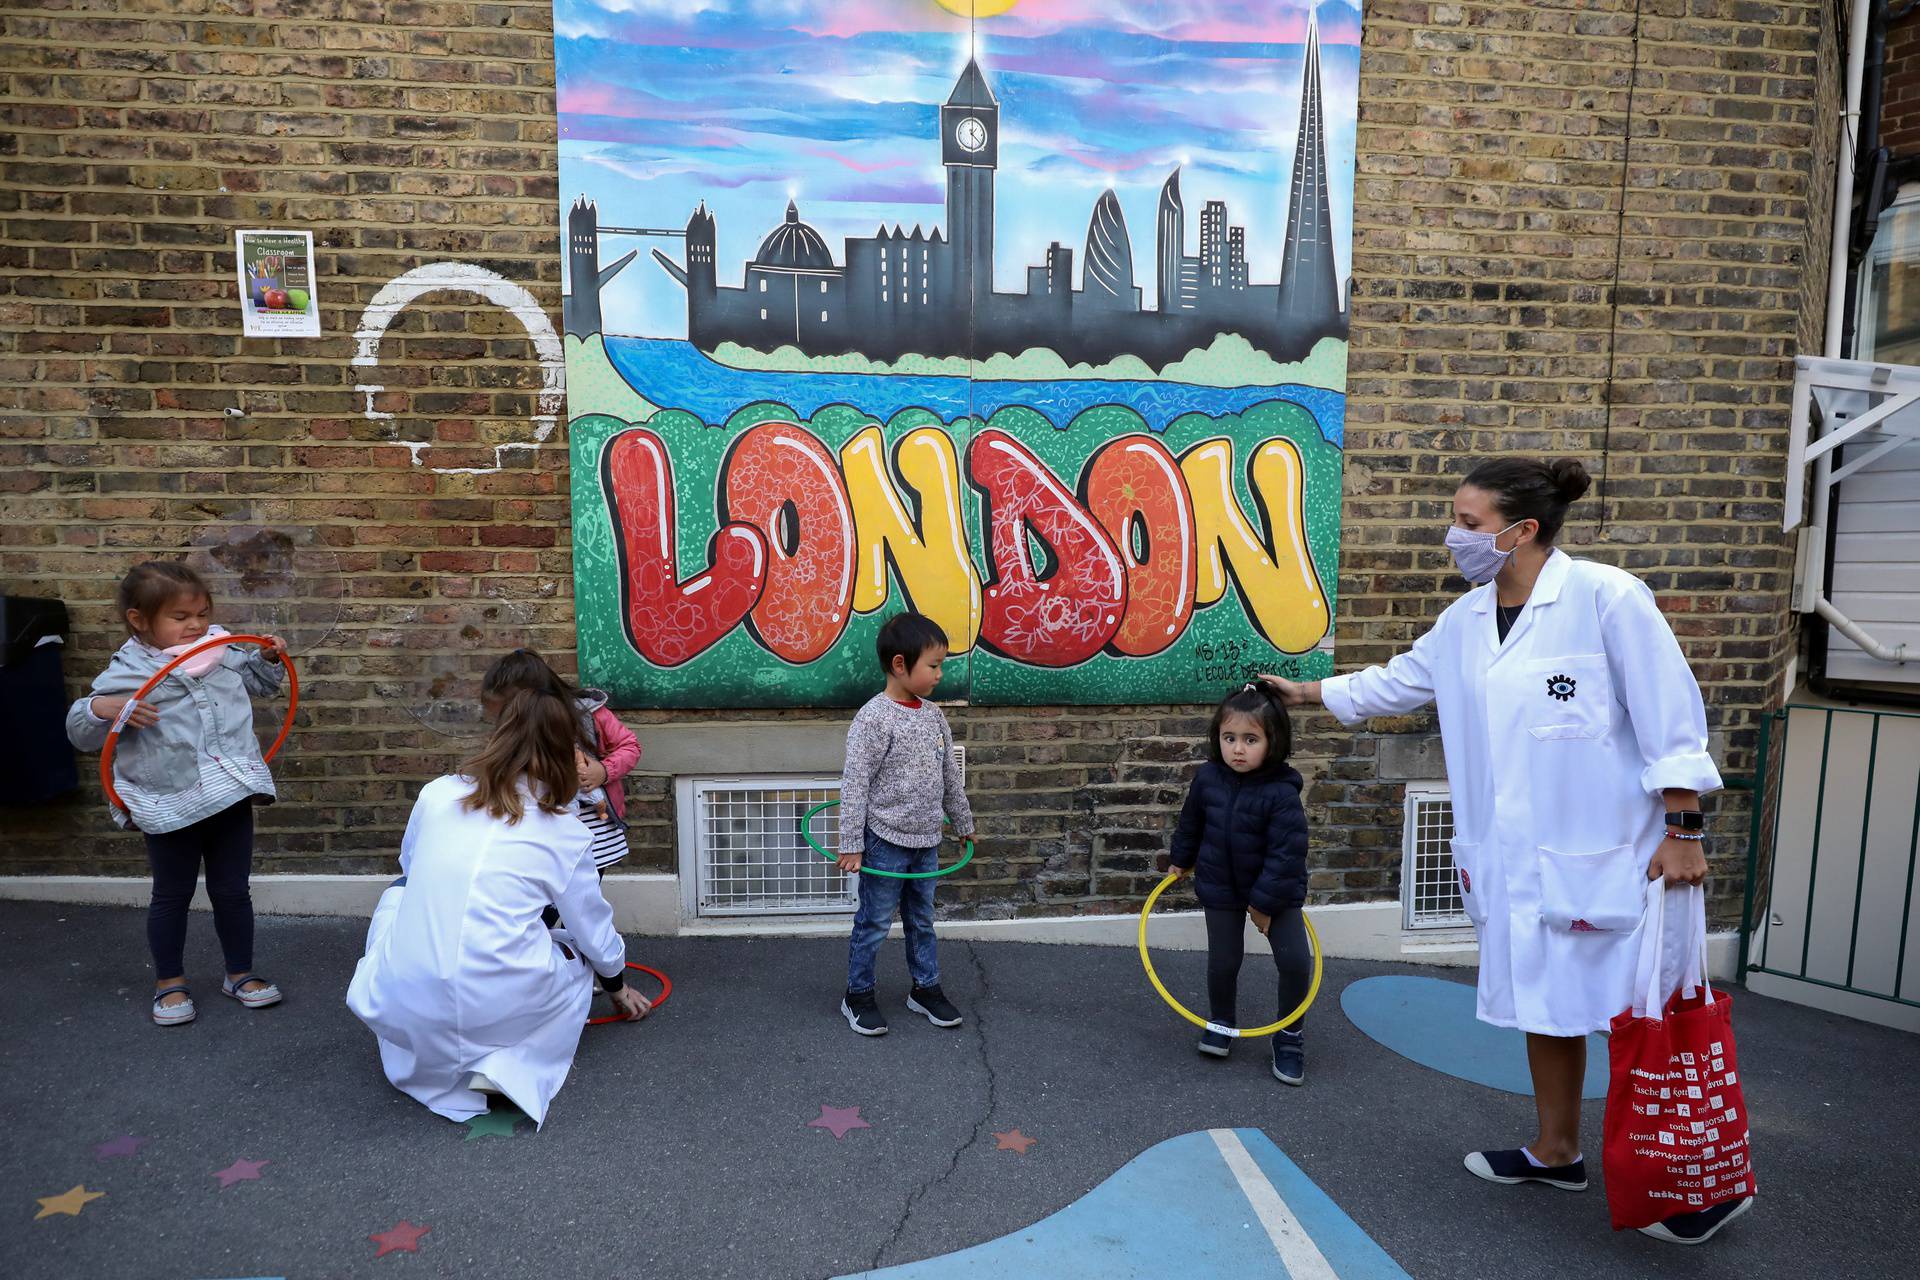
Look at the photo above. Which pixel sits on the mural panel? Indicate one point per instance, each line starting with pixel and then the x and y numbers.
pixel 830 353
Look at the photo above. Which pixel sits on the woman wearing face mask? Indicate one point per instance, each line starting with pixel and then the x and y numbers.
pixel 1576 748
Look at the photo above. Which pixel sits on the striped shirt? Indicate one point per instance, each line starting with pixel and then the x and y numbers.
pixel 609 833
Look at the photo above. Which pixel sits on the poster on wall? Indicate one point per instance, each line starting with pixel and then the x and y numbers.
pixel 1028 315
pixel 276 284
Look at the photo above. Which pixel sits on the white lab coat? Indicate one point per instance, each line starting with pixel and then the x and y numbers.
pixel 461 976
pixel 1558 744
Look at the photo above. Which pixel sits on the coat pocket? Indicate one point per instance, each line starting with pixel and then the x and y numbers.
pixel 155 761
pixel 1567 697
pixel 1601 892
pixel 1466 865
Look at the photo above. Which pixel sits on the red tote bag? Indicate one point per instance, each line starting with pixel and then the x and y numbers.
pixel 1676 1122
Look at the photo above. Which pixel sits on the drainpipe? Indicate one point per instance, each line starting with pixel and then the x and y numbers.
pixel 1895 653
pixel 1811 554
pixel 1843 193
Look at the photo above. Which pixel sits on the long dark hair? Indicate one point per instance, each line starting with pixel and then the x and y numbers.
pixel 526 669
pixel 534 738
pixel 1528 489
pixel 1264 705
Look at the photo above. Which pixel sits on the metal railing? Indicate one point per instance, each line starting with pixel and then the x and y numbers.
pixel 1831 854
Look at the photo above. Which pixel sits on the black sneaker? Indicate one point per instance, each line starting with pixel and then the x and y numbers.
pixel 862 1013
pixel 1215 1045
pixel 1513 1167
pixel 932 1003
pixel 1697 1228
pixel 1290 1057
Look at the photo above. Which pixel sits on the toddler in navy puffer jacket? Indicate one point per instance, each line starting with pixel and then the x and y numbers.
pixel 1243 835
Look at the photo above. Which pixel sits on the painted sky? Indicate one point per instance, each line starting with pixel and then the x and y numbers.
pixel 835 103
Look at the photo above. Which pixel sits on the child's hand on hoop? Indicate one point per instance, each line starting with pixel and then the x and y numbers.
pixel 275 650
pixel 142 715
pixel 849 862
pixel 1261 920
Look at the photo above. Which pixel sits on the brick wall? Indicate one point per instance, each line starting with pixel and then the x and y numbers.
pixel 1900 107
pixel 1489 210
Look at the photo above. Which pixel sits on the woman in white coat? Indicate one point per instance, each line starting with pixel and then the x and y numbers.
pixel 1576 750
pixel 467 991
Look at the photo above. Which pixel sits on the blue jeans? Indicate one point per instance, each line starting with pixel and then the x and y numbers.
pixel 880 897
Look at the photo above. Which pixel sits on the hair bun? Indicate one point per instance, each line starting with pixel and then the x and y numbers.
pixel 1570 478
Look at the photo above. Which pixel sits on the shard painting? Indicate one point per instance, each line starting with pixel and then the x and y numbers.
pixel 830 354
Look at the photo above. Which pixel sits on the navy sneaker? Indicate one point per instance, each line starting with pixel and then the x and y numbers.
pixel 1215 1045
pixel 1513 1167
pixel 932 1004
pixel 1697 1228
pixel 862 1013
pixel 1290 1057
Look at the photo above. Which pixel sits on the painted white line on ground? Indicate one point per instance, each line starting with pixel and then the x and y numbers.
pixel 1298 1252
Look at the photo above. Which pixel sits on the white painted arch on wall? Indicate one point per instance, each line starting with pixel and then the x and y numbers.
pixel 403 290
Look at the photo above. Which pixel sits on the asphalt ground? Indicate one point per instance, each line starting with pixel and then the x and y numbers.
pixel 680 1145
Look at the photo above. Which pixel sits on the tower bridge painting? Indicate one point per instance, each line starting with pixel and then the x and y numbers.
pixel 1116 480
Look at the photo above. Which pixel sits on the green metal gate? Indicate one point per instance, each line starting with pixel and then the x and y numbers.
pixel 1832 851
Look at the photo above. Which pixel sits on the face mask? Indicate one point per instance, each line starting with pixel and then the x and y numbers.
pixel 1476 554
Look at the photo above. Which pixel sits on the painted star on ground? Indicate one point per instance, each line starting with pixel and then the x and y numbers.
pixel 838 1121
pixel 494 1124
pixel 1014 1141
pixel 403 1237
pixel 67 1202
pixel 126 1145
pixel 240 1171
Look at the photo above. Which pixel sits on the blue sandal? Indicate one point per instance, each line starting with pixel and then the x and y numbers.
pixel 173 1015
pixel 257 999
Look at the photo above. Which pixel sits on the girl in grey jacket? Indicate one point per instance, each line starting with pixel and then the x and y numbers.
pixel 189 770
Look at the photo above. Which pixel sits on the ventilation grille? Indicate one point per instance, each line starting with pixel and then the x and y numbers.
pixel 1429 886
pixel 742 853
pixel 749 856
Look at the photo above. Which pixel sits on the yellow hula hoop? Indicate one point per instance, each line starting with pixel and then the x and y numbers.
pixel 1238 1033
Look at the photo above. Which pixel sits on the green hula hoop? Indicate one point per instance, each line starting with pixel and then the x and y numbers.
pixel 806 833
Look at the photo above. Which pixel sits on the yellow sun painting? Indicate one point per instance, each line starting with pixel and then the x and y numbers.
pixel 977 8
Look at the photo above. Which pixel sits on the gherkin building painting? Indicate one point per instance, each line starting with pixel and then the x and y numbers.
pixel 1027 315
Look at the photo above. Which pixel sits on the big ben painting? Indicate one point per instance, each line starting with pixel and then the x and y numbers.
pixel 887 304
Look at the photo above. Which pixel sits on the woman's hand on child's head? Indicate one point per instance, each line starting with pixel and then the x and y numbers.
pixel 849 862
pixel 1292 693
pixel 142 715
pixel 1261 920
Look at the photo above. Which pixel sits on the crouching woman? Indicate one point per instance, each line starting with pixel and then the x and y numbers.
pixel 467 991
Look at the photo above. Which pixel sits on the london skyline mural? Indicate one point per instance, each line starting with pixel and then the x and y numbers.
pixel 1106 458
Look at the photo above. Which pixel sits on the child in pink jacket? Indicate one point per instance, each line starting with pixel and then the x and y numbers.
pixel 606 753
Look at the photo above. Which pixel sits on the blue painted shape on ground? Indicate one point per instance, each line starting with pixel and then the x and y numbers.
pixel 1351 1252
pixel 1431 1021
pixel 1130 1228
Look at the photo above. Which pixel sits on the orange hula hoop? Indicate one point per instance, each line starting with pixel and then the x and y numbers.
pixel 286 726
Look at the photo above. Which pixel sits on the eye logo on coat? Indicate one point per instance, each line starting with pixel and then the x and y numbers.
pixel 1561 687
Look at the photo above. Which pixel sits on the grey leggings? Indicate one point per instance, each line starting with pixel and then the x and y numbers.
pixel 1226 946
